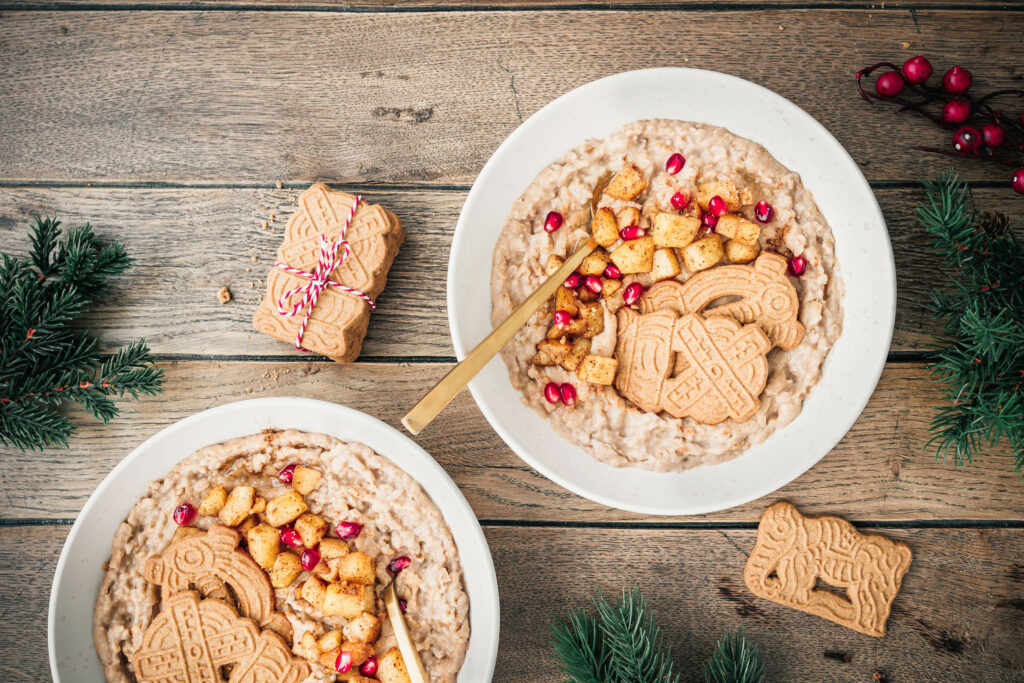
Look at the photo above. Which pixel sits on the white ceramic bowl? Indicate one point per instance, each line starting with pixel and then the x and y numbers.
pixel 794 138
pixel 80 567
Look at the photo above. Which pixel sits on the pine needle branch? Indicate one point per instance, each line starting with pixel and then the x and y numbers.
pixel 980 355
pixel 43 362
pixel 735 660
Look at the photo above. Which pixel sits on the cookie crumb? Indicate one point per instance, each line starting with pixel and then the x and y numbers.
pixel 255 258
pixel 279 184
pixel 266 225
pixel 780 28
pixel 879 676
pixel 905 44
pixel 224 295
pixel 273 216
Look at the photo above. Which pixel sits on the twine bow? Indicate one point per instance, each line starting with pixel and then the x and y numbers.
pixel 319 279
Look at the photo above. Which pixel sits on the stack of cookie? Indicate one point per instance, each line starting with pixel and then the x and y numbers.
pixel 333 320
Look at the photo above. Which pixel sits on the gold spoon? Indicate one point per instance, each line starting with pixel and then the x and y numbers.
pixel 405 645
pixel 456 380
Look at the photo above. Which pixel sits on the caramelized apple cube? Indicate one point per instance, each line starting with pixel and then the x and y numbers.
pixel 627 183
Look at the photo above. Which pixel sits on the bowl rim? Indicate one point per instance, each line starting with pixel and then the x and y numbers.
pixel 484 608
pixel 885 278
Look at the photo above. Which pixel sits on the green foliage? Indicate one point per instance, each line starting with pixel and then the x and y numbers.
pixel 735 660
pixel 980 355
pixel 43 361
pixel 622 643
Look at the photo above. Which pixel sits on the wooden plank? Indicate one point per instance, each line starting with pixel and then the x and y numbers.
pixel 189 243
pixel 880 471
pixel 258 97
pixel 469 5
pixel 957 618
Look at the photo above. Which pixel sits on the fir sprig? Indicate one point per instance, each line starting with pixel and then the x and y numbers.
pixel 622 643
pixel 980 354
pixel 735 660
pixel 43 362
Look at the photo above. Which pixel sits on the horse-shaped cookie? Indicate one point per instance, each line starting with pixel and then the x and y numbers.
pixel 793 552
pixel 192 640
pixel 709 369
pixel 766 297
pixel 212 563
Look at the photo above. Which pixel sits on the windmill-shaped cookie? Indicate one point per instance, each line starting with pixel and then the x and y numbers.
pixel 336 323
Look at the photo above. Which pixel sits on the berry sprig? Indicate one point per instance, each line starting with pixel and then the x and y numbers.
pixel 981 131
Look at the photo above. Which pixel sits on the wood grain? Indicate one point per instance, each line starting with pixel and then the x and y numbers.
pixel 881 471
pixel 506 5
pixel 253 96
pixel 959 616
pixel 189 243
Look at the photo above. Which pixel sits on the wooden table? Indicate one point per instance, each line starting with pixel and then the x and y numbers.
pixel 172 126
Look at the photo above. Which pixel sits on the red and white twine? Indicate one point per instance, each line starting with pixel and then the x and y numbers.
pixel 319 279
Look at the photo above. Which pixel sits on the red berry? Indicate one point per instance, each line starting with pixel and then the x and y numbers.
pixel 917 69
pixel 553 221
pixel 183 514
pixel 632 293
pixel 763 212
pixel 551 393
pixel 310 558
pixel 992 135
pixel 369 667
pixel 675 163
pixel 398 564
pixel 957 80
pixel 593 283
pixel 956 111
pixel 343 664
pixel 348 530
pixel 967 140
pixel 568 393
pixel 291 537
pixel 401 604
pixel 562 318
pixel 709 220
pixel 573 281
pixel 797 266
pixel 889 84
pixel 612 272
pixel 285 475
pixel 716 206
pixel 1018 181
pixel 631 232
pixel 680 200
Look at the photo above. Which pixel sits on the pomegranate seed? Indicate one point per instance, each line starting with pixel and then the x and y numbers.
pixel 709 220
pixel 369 667
pixel 572 282
pixel 562 318
pixel 993 135
pixel 343 664
pixel 763 212
pixel 1018 181
pixel 398 564
pixel 612 272
pixel 286 474
pixel 553 221
pixel 957 80
pixel 956 111
pixel 593 283
pixel 889 84
pixel 568 393
pixel 401 604
pixel 675 163
pixel 348 530
pixel 917 69
pixel 551 393
pixel 680 200
pixel 632 293
pixel 310 558
pixel 967 140
pixel 183 514
pixel 797 266
pixel 631 232
pixel 291 537
pixel 716 206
